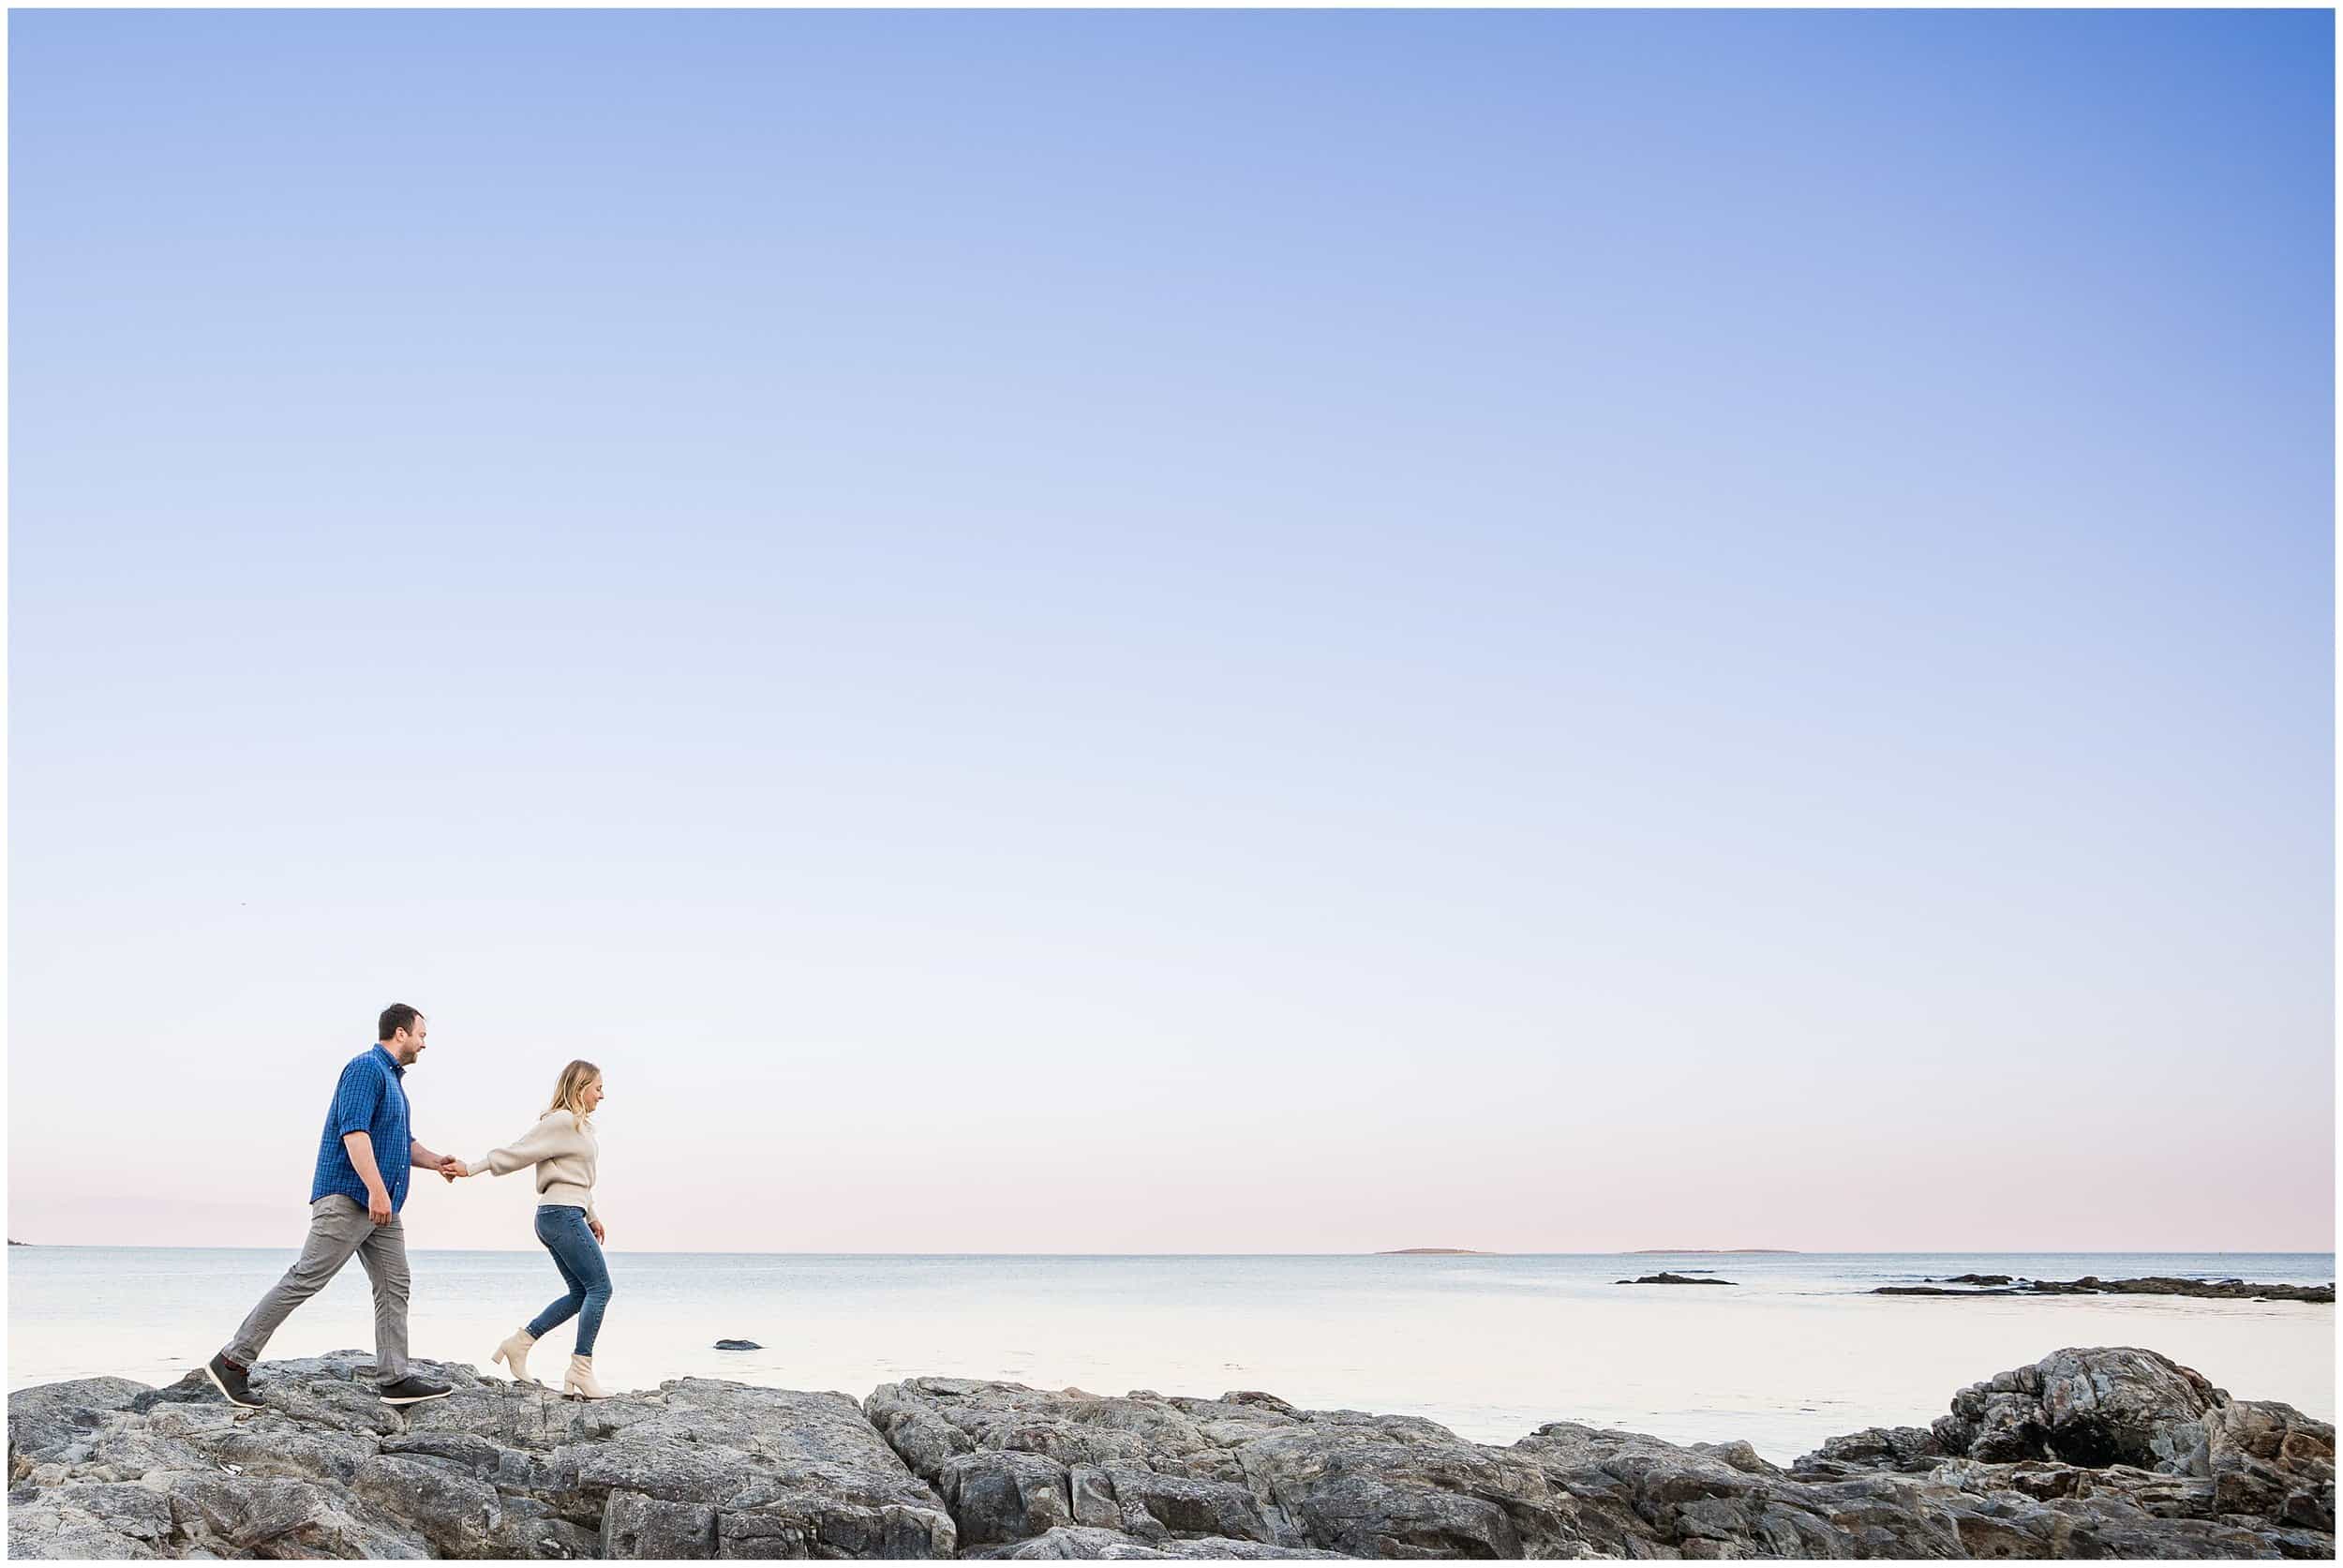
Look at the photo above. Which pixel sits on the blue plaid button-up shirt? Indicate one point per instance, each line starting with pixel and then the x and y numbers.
pixel 369 1099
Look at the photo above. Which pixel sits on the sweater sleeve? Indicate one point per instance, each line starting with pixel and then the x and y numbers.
pixel 523 1152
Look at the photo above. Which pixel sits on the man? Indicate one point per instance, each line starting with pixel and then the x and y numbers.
pixel 353 1208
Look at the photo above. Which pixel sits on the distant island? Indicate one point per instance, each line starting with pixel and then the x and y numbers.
pixel 1434 1252
pixel 1707 1251
pixel 13 1242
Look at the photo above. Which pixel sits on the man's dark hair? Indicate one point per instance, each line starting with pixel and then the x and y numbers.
pixel 397 1016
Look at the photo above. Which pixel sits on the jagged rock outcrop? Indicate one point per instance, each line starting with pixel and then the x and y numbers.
pixel 1027 1472
pixel 2124 1426
pixel 1015 1464
pixel 106 1468
pixel 2089 1452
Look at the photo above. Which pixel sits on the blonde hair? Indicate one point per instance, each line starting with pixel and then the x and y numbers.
pixel 570 1090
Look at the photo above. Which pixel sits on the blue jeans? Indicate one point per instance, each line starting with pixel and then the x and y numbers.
pixel 578 1256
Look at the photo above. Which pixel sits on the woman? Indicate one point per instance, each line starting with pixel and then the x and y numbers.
pixel 562 1148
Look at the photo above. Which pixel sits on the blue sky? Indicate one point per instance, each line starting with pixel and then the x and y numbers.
pixel 1184 630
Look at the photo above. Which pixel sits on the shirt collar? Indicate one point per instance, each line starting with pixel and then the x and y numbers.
pixel 395 1069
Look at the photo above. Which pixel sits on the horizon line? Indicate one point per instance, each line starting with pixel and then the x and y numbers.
pixel 1634 1252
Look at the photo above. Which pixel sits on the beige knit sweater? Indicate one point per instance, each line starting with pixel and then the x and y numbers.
pixel 563 1154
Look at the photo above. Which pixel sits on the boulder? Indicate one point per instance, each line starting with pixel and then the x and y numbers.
pixel 2116 1429
pixel 2087 1407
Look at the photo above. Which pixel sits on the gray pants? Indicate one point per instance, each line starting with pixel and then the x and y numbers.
pixel 338 1226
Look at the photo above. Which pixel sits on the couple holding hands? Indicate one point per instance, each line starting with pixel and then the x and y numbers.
pixel 354 1204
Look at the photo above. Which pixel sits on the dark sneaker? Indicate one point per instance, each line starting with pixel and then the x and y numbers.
pixel 231 1379
pixel 412 1391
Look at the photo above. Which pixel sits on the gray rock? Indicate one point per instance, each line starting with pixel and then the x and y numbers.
pixel 1245 1468
pixel 114 1520
pixel 647 1529
pixel 2088 1453
pixel 270 1444
pixel 1067 1542
pixel 1900 1448
pixel 1008 1496
pixel 2087 1407
pixel 1248 1474
pixel 2143 1455
pixel 230 1515
pixel 458 1516
pixel 45 1421
pixel 496 1469
pixel 1156 1507
pixel 2269 1460
pixel 796 1461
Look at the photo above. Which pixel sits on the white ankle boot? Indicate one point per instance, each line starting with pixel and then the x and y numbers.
pixel 514 1353
pixel 580 1381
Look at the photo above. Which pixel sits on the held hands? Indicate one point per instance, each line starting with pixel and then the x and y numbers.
pixel 452 1168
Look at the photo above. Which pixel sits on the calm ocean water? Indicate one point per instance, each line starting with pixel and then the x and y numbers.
pixel 1491 1347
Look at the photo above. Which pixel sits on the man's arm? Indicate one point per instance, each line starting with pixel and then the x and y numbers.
pixel 424 1159
pixel 361 1148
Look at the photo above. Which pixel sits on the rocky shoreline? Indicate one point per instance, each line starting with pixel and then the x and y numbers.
pixel 2092 1285
pixel 2088 1453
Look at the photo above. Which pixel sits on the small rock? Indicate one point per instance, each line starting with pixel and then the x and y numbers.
pixel 738 1345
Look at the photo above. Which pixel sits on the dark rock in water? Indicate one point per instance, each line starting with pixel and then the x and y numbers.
pixel 738 1345
pixel 1670 1280
pixel 2092 1285
pixel 2089 1452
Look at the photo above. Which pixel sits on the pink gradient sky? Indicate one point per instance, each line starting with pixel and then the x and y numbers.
pixel 1205 631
